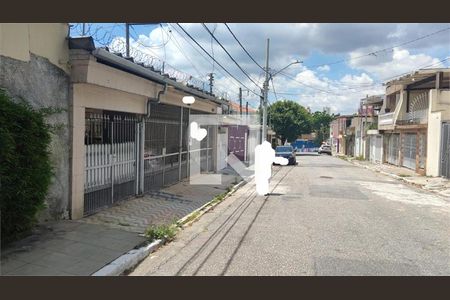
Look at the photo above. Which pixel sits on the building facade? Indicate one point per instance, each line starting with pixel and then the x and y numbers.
pixel 414 122
pixel 124 124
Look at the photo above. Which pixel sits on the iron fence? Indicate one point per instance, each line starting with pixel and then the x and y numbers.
pixel 110 159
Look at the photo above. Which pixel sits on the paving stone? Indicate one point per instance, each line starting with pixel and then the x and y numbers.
pixel 36 270
pixel 8 265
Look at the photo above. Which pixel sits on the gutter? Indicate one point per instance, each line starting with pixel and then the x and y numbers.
pixel 142 71
pixel 155 100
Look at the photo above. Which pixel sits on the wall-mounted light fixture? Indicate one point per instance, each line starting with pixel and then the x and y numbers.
pixel 188 100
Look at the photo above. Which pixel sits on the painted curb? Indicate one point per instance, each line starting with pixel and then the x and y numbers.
pixel 133 257
pixel 128 260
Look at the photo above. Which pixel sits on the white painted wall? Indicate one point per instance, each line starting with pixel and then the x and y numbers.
pixel 222 149
pixel 439 111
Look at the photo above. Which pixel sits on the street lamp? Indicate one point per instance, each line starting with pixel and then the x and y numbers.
pixel 266 90
pixel 292 63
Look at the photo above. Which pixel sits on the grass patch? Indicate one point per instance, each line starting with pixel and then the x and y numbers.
pixel 191 217
pixel 124 224
pixel 163 232
pixel 404 175
pixel 360 157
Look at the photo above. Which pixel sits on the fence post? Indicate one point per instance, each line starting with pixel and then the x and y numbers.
pixel 141 156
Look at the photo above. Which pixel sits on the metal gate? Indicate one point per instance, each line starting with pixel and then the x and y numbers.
pixel 445 150
pixel 393 147
pixel 110 161
pixel 165 146
pixel 409 150
pixel 375 148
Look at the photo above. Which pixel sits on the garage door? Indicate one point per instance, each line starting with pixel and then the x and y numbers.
pixel 409 150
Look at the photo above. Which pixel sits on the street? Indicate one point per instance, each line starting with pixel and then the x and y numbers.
pixel 323 216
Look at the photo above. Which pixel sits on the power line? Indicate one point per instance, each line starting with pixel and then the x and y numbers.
pixel 306 85
pixel 243 48
pixel 374 53
pixel 229 55
pixel 214 59
pixel 198 51
pixel 274 92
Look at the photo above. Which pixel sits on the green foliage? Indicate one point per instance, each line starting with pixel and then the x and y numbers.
pixel 25 168
pixel 289 120
pixel 320 123
pixel 163 232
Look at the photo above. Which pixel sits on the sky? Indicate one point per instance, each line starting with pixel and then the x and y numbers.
pixel 340 63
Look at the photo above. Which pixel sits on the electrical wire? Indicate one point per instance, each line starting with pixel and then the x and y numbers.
pixel 374 53
pixel 214 59
pixel 243 48
pixel 229 55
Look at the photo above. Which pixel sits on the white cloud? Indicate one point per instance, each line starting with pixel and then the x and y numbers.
pixel 393 63
pixel 324 68
pixel 289 42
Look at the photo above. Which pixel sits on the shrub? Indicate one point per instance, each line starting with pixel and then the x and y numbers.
pixel 25 168
pixel 164 232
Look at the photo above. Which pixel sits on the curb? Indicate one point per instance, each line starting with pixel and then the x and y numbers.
pixel 128 260
pixel 208 206
pixel 133 257
pixel 395 177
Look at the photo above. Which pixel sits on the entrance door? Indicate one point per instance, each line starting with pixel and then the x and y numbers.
pixel 445 150
pixel 393 146
pixel 409 150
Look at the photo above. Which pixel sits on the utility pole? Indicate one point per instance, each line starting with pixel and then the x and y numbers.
pixel 265 87
pixel 240 101
pixel 246 107
pixel 127 37
pixel 211 82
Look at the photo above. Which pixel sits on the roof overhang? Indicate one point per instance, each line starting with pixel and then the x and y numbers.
pixel 127 65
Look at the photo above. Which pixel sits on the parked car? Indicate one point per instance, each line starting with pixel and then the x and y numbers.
pixel 325 149
pixel 286 152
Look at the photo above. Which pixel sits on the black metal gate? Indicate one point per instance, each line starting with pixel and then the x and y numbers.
pixel 165 146
pixel 445 150
pixel 110 158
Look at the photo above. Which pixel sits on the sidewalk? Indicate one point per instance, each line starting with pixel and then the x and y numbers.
pixel 84 246
pixel 438 185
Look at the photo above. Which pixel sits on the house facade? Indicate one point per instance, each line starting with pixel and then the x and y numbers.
pixel 124 124
pixel 414 122
pixel 338 134
pixel 367 140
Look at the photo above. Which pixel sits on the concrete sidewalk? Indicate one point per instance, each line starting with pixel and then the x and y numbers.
pixel 82 247
pixel 438 185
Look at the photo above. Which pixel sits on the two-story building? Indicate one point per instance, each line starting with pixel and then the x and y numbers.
pixel 415 122
pixel 338 134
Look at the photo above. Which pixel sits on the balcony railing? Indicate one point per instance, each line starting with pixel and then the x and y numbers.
pixel 413 117
pixel 386 119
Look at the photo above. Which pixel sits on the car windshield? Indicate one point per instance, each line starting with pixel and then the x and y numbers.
pixel 284 149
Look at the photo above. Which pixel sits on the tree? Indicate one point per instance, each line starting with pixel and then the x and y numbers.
pixel 289 119
pixel 320 123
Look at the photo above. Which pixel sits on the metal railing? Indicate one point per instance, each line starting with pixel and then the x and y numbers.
pixel 386 119
pixel 414 117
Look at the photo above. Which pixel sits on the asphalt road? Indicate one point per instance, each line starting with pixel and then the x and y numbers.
pixel 324 216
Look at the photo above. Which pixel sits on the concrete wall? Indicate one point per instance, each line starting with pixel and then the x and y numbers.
pixel 439 111
pixel 18 41
pixel 41 83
